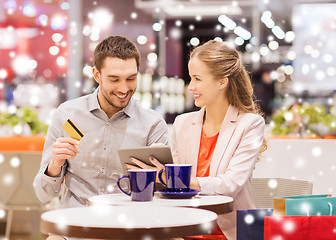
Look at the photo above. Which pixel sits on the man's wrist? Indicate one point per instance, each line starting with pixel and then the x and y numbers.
pixel 53 170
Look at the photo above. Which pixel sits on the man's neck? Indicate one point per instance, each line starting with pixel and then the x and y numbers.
pixel 106 106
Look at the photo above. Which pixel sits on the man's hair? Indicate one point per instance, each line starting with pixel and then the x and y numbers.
pixel 115 46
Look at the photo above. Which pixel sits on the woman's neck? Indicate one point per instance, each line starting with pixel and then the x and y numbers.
pixel 214 116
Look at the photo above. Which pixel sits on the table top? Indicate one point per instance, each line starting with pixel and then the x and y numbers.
pixel 216 203
pixel 128 222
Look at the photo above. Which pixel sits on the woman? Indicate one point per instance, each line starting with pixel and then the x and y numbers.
pixel 223 140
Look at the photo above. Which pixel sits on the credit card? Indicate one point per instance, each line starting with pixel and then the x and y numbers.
pixel 72 130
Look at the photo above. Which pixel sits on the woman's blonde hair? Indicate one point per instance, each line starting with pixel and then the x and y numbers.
pixel 223 61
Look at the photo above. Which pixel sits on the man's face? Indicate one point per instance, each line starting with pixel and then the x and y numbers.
pixel 118 82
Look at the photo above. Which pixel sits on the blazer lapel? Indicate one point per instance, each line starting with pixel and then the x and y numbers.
pixel 194 141
pixel 227 129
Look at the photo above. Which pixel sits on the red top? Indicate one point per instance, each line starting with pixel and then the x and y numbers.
pixel 206 149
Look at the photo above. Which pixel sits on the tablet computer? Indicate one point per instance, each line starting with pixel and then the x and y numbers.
pixel 161 152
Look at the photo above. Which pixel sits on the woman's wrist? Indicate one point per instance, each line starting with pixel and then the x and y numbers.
pixel 194 184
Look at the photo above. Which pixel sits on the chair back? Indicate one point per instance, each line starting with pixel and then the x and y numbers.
pixel 17 172
pixel 264 189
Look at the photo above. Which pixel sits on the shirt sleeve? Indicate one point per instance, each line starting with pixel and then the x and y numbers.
pixel 241 164
pixel 158 133
pixel 47 187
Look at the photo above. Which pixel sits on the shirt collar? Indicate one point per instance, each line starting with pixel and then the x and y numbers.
pixel 94 104
pixel 128 110
pixel 93 100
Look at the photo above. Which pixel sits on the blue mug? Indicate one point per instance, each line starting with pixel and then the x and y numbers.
pixel 142 184
pixel 177 177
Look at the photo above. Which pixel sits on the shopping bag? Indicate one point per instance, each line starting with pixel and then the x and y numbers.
pixel 300 227
pixel 250 223
pixel 305 205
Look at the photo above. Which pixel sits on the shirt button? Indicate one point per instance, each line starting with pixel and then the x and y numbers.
pixel 102 170
pixel 108 124
pixel 56 180
pixel 104 147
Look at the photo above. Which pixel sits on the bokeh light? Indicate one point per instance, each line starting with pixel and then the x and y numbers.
pixel 289 36
pixel 152 57
pixel 239 41
pixel 57 37
pixel 272 183
pixel 54 50
pixel 3 73
pixel 58 23
pixel 43 20
pixel 142 39
pixel 15 162
pixel 249 219
pixel 102 18
pixel 157 27
pixel 8 179
pixel 2 213
pixel 218 39
pixel 273 45
pixel 194 41
pixel 134 15
pixel 175 33
pixel 61 61
pixel 178 23
pixel 21 65
pixel 29 10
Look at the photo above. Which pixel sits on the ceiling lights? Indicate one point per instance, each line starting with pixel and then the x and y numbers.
pixel 232 25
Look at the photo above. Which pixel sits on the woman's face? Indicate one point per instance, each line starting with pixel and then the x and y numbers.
pixel 204 87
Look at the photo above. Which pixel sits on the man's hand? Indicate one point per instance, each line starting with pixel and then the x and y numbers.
pixel 63 148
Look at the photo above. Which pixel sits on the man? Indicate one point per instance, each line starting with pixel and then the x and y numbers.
pixel 109 119
pixel 264 91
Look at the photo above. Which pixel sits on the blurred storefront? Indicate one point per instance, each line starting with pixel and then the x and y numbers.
pixel 49 43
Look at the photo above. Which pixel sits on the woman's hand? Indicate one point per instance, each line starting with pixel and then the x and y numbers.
pixel 194 184
pixel 141 165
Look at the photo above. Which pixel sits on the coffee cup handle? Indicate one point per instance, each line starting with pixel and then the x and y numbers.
pixel 160 177
pixel 129 194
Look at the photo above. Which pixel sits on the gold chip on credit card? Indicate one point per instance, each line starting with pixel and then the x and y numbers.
pixel 72 130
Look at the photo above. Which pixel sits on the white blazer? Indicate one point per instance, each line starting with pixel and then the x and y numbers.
pixel 233 160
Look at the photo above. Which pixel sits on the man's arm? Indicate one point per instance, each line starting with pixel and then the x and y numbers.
pixel 48 180
pixel 158 133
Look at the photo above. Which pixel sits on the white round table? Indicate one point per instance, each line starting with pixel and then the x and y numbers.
pixel 128 222
pixel 216 203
